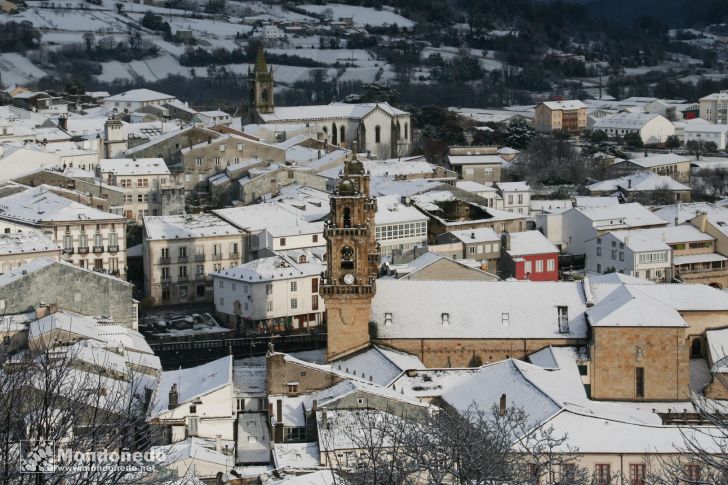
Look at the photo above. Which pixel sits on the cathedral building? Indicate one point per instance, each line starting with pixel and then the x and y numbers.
pixel 379 129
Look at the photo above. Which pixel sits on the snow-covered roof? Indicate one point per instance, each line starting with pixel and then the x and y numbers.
pixel 722 95
pixel 659 160
pixel 625 120
pixel 638 181
pixel 585 201
pixel 195 449
pixel 276 218
pixel 474 159
pixel 681 297
pixel 640 242
pixel 628 307
pixel 633 214
pixel 43 262
pixel 476 309
pixel 296 455
pixel 273 268
pixel 139 95
pixel 38 204
pixel 193 382
pixel 391 210
pixel 565 105
pixel 530 242
pixel 699 125
pixel 249 380
pixel 328 111
pixel 414 165
pixel 380 364
pixel 26 242
pixel 474 187
pixel 469 236
pixel 552 206
pixel 682 212
pixel 698 258
pixel 133 166
pixel 186 226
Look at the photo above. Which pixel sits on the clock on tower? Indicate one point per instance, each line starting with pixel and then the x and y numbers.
pixel 353 261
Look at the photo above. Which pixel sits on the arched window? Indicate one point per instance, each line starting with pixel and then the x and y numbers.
pixel 342 134
pixel 264 95
pixel 347 217
pixel 347 258
pixel 334 134
pixel 377 134
pixel 406 130
pixel 302 258
pixel 696 349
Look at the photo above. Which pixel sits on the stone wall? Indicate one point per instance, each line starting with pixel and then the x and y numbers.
pixel 280 372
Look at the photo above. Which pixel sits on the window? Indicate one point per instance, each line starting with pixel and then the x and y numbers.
pixel 269 289
pixel 539 266
pixel 165 253
pixel 183 271
pixel 692 474
pixel 599 250
pixel 599 268
pixel 445 318
pixel 294 286
pixel 637 474
pixel 221 285
pixel 550 265
pixel 314 238
pixel 292 387
pixel 621 255
pixel 240 147
pixel 182 252
pixel 218 161
pixel 377 134
pixel 283 241
pixel 388 319
pixel 269 306
pixel 602 474
pixel 198 162
pixel 583 369
pixel 505 318
pixel 222 148
pixel 527 267
pixel 639 382
pixel 471 249
pixel 563 318
pixel 294 303
pixel 201 270
pixel 314 285
pixel 614 254
pixel 314 302
pixel 599 240
pixel 165 273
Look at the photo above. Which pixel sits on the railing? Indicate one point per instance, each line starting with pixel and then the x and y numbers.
pixel 199 258
pixel 164 260
pixel 216 257
pixel 83 250
pixel 346 290
pixel 68 252
pixel 234 256
pixel 182 279
pixel 183 259
pixel 98 249
pixel 345 231
pixel 113 248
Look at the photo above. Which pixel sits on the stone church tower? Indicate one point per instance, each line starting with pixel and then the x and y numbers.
pixel 353 261
pixel 260 83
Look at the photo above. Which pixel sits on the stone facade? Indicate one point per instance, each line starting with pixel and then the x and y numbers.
pixel 281 371
pixel 71 288
pixel 353 262
pixel 617 354
pixel 273 180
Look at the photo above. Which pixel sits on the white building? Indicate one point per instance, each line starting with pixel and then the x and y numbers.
pixel 652 128
pixel 701 131
pixel 147 184
pixel 581 224
pixel 89 237
pixel 714 107
pixel 274 227
pixel 180 251
pixel 196 402
pixel 273 294
pixel 634 253
pixel 19 248
pixel 516 196
pixel 129 101
pixel 398 225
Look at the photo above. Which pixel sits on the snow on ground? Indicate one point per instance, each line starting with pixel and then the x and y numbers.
pixel 359 57
pixel 361 15
pixel 17 69
pixel 148 69
pixel 203 27
pixel 73 20
pixel 363 74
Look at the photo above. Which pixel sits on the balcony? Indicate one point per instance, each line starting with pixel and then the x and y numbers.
pixel 113 248
pixel 217 257
pixel 83 250
pixel 183 259
pixel 164 260
pixel 200 277
pixel 345 231
pixel 67 252
pixel 199 258
pixel 234 256
pixel 98 249
pixel 346 290
pixel 182 279
pixel 165 279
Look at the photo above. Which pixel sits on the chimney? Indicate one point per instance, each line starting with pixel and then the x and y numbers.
pixel 502 407
pixel 506 240
pixel 472 235
pixel 218 443
pixel 701 220
pixel 173 397
pixel 63 123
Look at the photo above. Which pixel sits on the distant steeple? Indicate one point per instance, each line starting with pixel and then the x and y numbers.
pixel 260 83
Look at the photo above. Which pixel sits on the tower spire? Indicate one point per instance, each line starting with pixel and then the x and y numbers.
pixel 260 64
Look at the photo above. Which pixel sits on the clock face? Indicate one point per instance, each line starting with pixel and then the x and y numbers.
pixel 348 279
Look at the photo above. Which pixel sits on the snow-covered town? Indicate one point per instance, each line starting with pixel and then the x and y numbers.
pixel 287 243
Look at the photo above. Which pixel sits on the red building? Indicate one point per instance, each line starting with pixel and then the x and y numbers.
pixel 530 256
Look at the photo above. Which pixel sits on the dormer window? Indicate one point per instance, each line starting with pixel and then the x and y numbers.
pixel 563 318
pixel 445 317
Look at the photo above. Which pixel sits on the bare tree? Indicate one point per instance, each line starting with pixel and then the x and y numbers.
pixel 49 398
pixel 447 446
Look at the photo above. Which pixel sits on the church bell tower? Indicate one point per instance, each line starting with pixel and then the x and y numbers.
pixel 353 261
pixel 260 82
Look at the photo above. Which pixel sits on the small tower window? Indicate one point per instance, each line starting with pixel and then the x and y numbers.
pixel 445 319
pixel 264 95
pixel 377 134
pixel 347 258
pixel 388 319
pixel 347 217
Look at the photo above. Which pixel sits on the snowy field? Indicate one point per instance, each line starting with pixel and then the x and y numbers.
pixel 361 15
pixel 17 69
